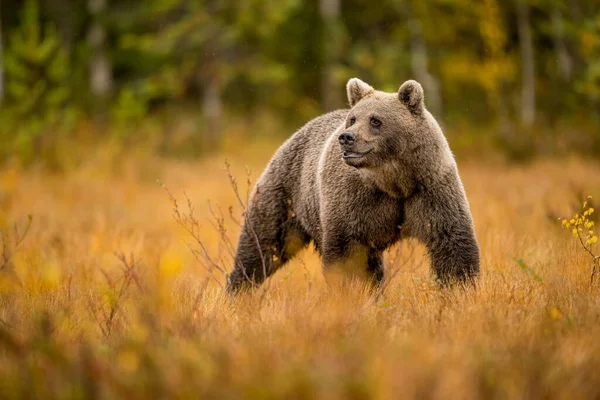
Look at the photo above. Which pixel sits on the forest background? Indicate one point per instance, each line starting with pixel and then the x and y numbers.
pixel 178 77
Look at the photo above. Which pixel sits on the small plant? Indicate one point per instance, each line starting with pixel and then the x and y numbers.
pixel 528 270
pixel 215 264
pixel 106 308
pixel 11 242
pixel 582 227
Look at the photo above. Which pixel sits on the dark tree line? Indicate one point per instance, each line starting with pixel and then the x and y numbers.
pixel 517 63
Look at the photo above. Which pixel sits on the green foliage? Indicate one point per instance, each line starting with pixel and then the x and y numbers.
pixel 127 111
pixel 589 42
pixel 231 60
pixel 202 40
pixel 528 270
pixel 37 73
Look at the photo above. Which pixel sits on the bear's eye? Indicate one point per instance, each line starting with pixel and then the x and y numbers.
pixel 375 123
pixel 351 121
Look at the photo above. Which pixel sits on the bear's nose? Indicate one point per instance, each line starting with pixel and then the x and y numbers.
pixel 346 139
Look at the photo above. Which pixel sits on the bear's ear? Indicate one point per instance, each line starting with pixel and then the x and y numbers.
pixel 357 89
pixel 411 95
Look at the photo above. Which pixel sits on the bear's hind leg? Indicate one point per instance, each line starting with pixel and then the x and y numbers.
pixel 260 254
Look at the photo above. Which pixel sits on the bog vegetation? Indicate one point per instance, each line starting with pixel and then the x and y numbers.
pixel 105 292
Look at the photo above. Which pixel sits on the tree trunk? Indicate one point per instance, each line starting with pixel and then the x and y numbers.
pixel 563 59
pixel 211 84
pixel 212 105
pixel 575 9
pixel 331 93
pixel 101 79
pixel 527 64
pixel 419 66
pixel 1 58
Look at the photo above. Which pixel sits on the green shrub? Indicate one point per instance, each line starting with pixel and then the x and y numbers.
pixel 37 113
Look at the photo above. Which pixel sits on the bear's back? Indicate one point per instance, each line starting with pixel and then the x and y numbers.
pixel 294 167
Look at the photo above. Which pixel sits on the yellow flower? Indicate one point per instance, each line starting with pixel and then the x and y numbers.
pixel 556 314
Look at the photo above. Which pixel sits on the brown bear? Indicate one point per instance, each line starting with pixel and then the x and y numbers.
pixel 354 182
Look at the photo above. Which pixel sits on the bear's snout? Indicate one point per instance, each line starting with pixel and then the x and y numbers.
pixel 347 139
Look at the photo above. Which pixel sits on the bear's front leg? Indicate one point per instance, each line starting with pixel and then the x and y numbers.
pixel 375 266
pixel 440 218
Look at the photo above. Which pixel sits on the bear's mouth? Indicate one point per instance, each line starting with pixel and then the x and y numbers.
pixel 346 155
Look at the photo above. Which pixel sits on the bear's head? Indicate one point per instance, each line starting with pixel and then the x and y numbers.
pixel 384 128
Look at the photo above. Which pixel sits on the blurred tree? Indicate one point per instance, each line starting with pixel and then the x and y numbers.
pixel 211 79
pixel 101 79
pixel 497 67
pixel 471 57
pixel 332 36
pixel 527 64
pixel 203 46
pixel 563 58
pixel 589 45
pixel 378 45
pixel 1 58
pixel 63 13
pixel 419 59
pixel 190 46
pixel 37 88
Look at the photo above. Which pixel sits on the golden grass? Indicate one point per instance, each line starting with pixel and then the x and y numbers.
pixel 75 320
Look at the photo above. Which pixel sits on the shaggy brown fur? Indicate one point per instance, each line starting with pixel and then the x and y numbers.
pixel 355 182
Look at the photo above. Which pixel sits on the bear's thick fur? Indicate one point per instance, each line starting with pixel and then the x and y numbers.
pixel 355 182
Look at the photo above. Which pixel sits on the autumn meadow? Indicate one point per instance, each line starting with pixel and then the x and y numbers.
pixel 104 293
